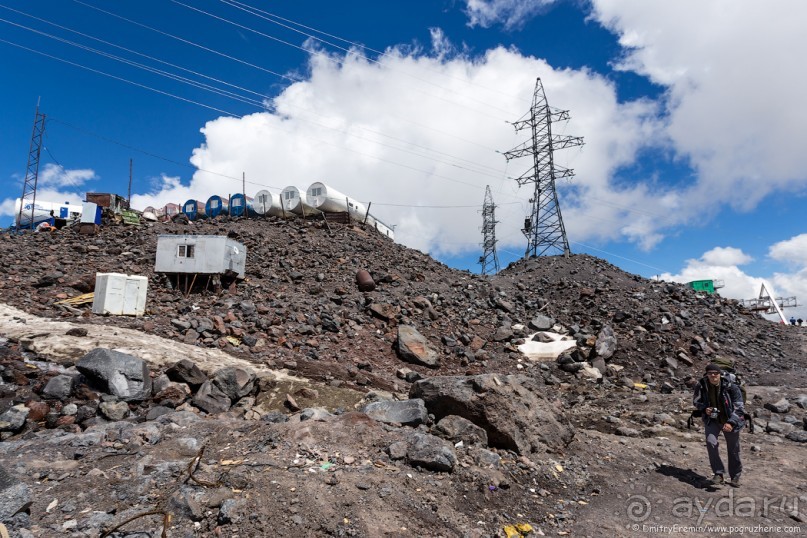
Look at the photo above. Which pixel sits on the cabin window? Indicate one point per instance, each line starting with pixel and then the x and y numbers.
pixel 236 202
pixel 188 207
pixel 316 192
pixel 185 251
pixel 263 199
pixel 214 204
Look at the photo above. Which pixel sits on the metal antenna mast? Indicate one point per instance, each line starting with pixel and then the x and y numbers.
pixel 544 228
pixel 489 259
pixel 32 170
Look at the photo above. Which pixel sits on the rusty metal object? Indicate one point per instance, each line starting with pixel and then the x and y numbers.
pixel 364 280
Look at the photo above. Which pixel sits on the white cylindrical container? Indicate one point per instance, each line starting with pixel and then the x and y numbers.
pixel 330 200
pixel 291 201
pixel 266 203
pixel 42 211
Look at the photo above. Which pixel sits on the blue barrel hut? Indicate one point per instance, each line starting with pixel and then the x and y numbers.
pixel 193 209
pixel 241 206
pixel 217 205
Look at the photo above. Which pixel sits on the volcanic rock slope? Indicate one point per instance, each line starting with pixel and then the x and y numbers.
pixel 489 438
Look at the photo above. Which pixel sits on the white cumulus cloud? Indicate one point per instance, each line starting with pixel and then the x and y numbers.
pixel 509 13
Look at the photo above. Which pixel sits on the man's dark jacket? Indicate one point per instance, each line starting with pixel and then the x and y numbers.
pixel 730 398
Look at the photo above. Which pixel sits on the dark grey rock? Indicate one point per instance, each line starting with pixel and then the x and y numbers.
pixel 59 387
pixel 211 399
pixel 158 411
pixel 234 382
pixel 14 496
pixel 408 412
pixel 606 343
pixel 799 436
pixel 116 373
pixel 541 323
pixel 14 418
pixel 782 406
pixel 510 408
pixel 457 428
pixel 431 453
pixel 186 371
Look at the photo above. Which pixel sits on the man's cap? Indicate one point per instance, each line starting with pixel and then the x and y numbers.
pixel 713 368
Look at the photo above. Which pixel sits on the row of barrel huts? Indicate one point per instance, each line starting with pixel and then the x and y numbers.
pixel 319 198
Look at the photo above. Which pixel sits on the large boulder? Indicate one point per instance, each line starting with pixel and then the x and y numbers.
pixel 116 373
pixel 414 348
pixel 510 408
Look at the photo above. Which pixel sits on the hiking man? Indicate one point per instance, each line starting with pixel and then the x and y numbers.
pixel 721 403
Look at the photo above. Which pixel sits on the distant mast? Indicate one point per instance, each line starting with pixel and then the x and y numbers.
pixel 32 168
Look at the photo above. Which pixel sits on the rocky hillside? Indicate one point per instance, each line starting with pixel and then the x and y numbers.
pixel 404 410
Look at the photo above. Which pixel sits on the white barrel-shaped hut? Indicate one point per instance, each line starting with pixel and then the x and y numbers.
pixel 383 229
pixel 291 200
pixel 266 203
pixel 330 200
pixel 42 211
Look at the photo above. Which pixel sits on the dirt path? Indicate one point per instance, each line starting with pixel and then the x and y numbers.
pixel 655 486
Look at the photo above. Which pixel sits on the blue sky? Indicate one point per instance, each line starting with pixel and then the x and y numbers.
pixel 692 113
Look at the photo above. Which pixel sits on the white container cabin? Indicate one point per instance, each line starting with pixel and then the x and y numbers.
pixel 119 294
pixel 200 254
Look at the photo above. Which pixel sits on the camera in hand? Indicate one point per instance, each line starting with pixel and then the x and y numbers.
pixel 713 414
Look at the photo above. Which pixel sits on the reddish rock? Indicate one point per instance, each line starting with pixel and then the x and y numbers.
pixel 37 410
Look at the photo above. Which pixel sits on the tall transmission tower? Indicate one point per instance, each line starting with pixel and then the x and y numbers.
pixel 32 170
pixel 489 259
pixel 544 228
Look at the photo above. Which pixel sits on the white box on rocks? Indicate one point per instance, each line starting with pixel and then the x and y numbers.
pixel 119 294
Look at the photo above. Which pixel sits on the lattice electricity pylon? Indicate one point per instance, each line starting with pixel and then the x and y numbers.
pixel 32 170
pixel 544 228
pixel 489 259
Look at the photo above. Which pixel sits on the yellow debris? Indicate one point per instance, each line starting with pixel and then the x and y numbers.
pixel 559 467
pixel 524 528
pixel 77 300
pixel 640 386
pixel 233 340
pixel 510 531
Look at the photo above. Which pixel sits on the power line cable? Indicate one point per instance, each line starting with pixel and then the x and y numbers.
pixel 65 28
pixel 233 58
pixel 267 16
pixel 315 53
pixel 226 93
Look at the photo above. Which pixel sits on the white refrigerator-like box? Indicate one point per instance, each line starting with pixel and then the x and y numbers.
pixel 119 294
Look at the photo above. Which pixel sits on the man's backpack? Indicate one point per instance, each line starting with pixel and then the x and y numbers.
pixel 729 374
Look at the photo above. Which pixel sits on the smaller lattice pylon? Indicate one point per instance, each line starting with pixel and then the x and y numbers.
pixel 28 197
pixel 489 260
